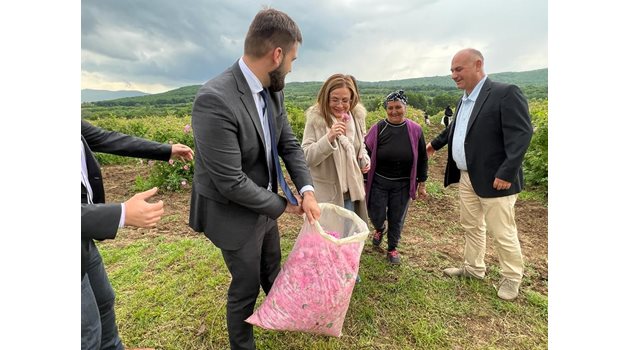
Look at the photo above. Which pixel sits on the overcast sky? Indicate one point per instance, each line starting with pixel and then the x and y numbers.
pixel 159 45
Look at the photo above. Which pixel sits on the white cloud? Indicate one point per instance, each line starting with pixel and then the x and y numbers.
pixel 99 81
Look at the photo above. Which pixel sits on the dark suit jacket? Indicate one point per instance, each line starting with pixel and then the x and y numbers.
pixel 229 191
pixel 498 135
pixel 99 220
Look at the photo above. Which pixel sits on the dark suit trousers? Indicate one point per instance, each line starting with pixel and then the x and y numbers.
pixel 256 264
pixel 103 293
pixel 90 318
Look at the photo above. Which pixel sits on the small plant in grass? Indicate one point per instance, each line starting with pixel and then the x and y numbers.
pixel 435 189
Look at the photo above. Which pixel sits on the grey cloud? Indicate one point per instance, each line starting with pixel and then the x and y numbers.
pixel 187 42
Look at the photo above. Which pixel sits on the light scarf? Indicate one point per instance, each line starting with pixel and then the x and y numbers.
pixel 352 172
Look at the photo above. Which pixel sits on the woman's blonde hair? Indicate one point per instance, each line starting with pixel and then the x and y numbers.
pixel 334 82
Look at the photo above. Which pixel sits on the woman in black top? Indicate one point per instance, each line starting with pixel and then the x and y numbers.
pixel 398 172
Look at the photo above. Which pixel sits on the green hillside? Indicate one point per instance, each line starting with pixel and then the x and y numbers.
pixel 536 77
pixel 180 95
pixel 91 95
pixel 430 94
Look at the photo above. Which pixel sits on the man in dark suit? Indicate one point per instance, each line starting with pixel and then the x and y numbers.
pixel 240 124
pixel 487 142
pixel 100 220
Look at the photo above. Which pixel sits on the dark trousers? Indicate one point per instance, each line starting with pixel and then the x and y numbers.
pixel 90 318
pixel 97 306
pixel 389 201
pixel 256 264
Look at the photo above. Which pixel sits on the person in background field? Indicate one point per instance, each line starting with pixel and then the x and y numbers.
pixel 487 142
pixel 448 113
pixel 241 129
pixel 333 145
pixel 399 171
pixel 100 220
pixel 427 121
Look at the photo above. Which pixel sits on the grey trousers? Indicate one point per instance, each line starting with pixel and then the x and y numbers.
pixel 97 307
pixel 90 318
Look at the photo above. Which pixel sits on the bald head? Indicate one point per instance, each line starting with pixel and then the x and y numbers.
pixel 467 69
pixel 471 54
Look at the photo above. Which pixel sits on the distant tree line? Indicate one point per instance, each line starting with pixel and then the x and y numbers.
pixel 429 94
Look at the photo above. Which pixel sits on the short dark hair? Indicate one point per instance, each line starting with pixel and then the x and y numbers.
pixel 270 29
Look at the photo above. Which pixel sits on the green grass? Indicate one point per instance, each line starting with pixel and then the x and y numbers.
pixel 537 194
pixel 435 188
pixel 171 294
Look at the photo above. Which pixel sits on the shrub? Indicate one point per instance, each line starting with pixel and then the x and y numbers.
pixel 297 120
pixel 169 176
pixel 535 165
pixel 169 129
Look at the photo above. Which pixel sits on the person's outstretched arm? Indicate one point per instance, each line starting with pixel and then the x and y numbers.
pixel 102 221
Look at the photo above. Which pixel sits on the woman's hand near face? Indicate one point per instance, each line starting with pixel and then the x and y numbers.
pixel 337 129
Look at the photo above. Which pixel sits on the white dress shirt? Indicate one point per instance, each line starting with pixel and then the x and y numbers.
pixel 461 124
pixel 256 87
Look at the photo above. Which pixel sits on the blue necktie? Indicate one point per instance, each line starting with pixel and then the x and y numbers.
pixel 274 151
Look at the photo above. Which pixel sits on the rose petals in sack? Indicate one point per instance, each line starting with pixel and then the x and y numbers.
pixel 313 290
pixel 334 234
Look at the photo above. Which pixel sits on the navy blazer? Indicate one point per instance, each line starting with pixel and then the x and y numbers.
pixel 498 134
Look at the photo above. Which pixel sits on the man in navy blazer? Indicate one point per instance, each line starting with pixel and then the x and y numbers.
pixel 487 142
pixel 238 121
pixel 100 220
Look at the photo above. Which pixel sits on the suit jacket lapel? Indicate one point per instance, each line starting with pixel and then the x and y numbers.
pixel 248 100
pixel 94 174
pixel 481 99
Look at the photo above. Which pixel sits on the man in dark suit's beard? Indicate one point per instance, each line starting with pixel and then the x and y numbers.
pixel 277 78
